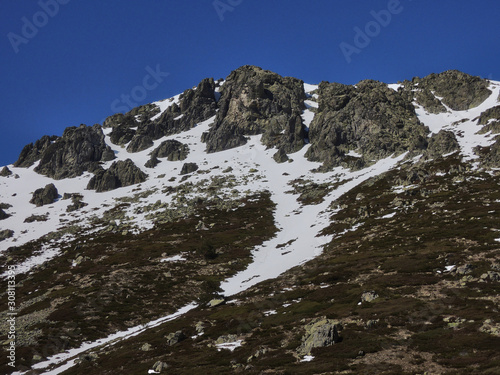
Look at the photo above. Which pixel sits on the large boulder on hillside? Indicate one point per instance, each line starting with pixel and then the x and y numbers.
pixel 172 150
pixel 79 149
pixel 369 117
pixel 44 196
pixel 256 101
pixel 319 334
pixel 121 173
pixel 195 105
pixel 5 172
pixel 32 152
pixel 189 168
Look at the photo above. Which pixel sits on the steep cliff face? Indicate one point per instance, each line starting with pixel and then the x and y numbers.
pixel 255 101
pixel 369 118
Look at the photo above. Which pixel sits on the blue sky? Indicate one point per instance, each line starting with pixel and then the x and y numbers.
pixel 68 62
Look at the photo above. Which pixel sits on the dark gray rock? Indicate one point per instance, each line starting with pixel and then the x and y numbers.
pixel 3 214
pixel 490 156
pixel 121 173
pixel 140 143
pixel 442 143
pixel 33 152
pixel 78 150
pixel 195 106
pixel 369 117
pixel 5 172
pixel 459 91
pixel 172 150
pixel 427 100
pixel 486 116
pixel 152 162
pixel 189 168
pixel 44 196
pixel 256 101
pixel 76 202
pixel 280 156
pixel 6 233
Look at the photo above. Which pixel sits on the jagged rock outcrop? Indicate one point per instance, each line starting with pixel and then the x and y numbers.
pixel 486 116
pixel 46 195
pixel 172 150
pixel 490 156
pixel 426 99
pixel 256 101
pixel 5 172
pixel 121 173
pixel 195 106
pixel 189 168
pixel 140 143
pixel 319 333
pixel 458 90
pixel 32 152
pixel 79 149
pixel 370 118
pixel 442 143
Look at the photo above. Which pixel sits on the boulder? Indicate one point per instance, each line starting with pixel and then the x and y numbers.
pixel 6 233
pixel 121 173
pixel 152 162
pixel 5 172
pixel 174 338
pixel 140 143
pixel 189 168
pixel 256 101
pixel 44 196
pixel 280 156
pixel 172 150
pixel 78 150
pixel 319 333
pixel 3 214
pixel 369 296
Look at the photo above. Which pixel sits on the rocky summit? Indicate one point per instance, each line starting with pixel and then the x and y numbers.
pixel 259 224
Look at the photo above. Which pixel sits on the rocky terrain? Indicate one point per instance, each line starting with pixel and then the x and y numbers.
pixel 258 224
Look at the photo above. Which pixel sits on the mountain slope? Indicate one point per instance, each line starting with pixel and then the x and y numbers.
pixel 287 223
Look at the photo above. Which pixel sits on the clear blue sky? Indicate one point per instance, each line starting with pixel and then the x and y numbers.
pixel 73 63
